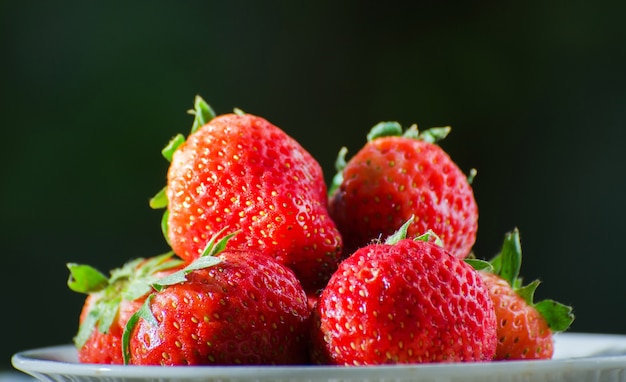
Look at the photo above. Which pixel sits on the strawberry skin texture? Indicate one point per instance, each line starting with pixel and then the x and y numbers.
pixel 248 309
pixel 411 302
pixel 523 333
pixel 242 172
pixel 106 348
pixel 392 178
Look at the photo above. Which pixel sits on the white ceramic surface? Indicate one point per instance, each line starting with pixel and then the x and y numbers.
pixel 578 357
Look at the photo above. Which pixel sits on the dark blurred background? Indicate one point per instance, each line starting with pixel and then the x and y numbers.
pixel 91 91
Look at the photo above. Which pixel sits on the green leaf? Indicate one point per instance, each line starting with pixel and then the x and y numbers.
pixel 527 292
pixel 496 263
pixel 412 132
pixel 213 248
pixel 100 317
pixel 401 233
pixel 340 162
pixel 238 111
pixel 143 312
pixel 126 272
pixel 202 262
pixel 165 226
pixel 430 236
pixel 384 129
pixel 558 316
pixel 159 200
pixel 85 279
pixel 172 145
pixel 108 309
pixel 203 113
pixel 435 134
pixel 136 289
pixel 161 263
pixel 340 165
pixel 142 284
pixel 180 277
pixel 511 257
pixel 471 176
pixel 206 259
pixel 480 265
pixel 86 328
pixel 507 265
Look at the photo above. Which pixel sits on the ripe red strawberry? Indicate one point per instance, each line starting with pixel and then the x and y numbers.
pixel 239 171
pixel 403 301
pixel 396 176
pixel 228 307
pixel 525 329
pixel 105 347
pixel 111 302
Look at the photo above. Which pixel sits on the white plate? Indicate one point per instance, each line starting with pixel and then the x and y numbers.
pixel 578 357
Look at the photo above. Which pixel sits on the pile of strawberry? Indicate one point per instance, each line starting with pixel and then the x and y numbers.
pixel 268 267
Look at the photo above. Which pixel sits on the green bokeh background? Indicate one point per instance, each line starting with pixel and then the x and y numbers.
pixel 92 90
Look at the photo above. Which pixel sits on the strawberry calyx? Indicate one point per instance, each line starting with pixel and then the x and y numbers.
pixel 129 282
pixel 340 165
pixel 392 128
pixel 507 265
pixel 384 129
pixel 430 236
pixel 207 259
pixel 203 113
pixel 143 312
pixel 401 234
pixel 388 129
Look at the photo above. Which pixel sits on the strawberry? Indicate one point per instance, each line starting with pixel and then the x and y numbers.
pixel 403 301
pixel 228 307
pixel 525 329
pixel 104 346
pixel 395 176
pixel 239 171
pixel 111 302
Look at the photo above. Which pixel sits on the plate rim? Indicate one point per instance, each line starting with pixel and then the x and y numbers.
pixel 34 363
